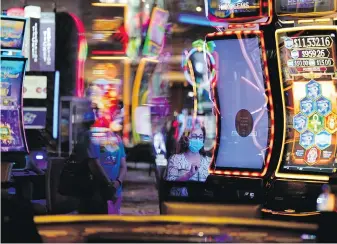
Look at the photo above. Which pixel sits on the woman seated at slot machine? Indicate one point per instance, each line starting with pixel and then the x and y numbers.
pixel 191 164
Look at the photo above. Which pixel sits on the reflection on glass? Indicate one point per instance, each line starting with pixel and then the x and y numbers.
pixel 191 163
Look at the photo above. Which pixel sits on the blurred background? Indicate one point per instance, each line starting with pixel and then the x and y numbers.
pixel 137 54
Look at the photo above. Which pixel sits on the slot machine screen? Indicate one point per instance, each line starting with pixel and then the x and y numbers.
pixel 156 32
pixel 11 126
pixel 304 6
pixel 34 117
pixel 237 9
pixel 309 79
pixel 12 33
pixel 243 121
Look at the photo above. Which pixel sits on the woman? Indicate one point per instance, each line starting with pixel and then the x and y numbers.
pixel 191 164
pixel 112 159
pixel 106 161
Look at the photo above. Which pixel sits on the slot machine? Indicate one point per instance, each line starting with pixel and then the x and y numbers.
pixel 144 94
pixel 242 91
pixel 306 53
pixel 39 87
pixel 13 65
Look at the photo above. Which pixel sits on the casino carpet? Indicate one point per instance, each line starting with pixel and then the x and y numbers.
pixel 140 196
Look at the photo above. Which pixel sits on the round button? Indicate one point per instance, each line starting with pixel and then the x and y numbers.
pixel 244 123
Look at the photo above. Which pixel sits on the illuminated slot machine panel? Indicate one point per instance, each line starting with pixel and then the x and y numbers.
pixel 307 60
pixel 241 11
pixel 245 114
pixel 12 134
pixel 292 9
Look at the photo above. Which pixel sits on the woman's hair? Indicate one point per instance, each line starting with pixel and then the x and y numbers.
pixel 184 142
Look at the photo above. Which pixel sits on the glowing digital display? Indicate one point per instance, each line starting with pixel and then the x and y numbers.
pixel 304 6
pixel 236 9
pixel 12 32
pixel 108 29
pixel 156 32
pixel 308 61
pixel 11 125
pixel 243 118
pixel 106 85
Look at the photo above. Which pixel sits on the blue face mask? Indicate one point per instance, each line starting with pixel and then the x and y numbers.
pixel 195 145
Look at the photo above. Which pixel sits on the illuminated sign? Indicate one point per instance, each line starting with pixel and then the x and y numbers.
pixel 106 24
pixel 301 7
pixel 47 42
pixel 308 75
pixel 309 53
pixel 219 10
pixel 34 118
pixel 12 33
pixel 109 35
pixel 11 124
pixel 18 12
pixel 109 81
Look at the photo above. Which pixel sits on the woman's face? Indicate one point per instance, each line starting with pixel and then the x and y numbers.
pixel 196 133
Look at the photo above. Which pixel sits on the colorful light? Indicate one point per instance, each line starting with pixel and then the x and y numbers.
pixel 82 55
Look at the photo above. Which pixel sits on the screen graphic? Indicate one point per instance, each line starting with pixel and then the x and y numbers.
pixel 240 94
pixel 304 6
pixel 12 32
pixel 310 88
pixel 11 128
pixel 34 118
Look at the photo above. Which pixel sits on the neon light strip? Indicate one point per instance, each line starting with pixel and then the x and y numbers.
pixel 212 169
pixel 56 104
pixel 21 108
pixel 196 20
pixel 109 58
pixel 101 52
pixel 82 55
pixel 195 95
